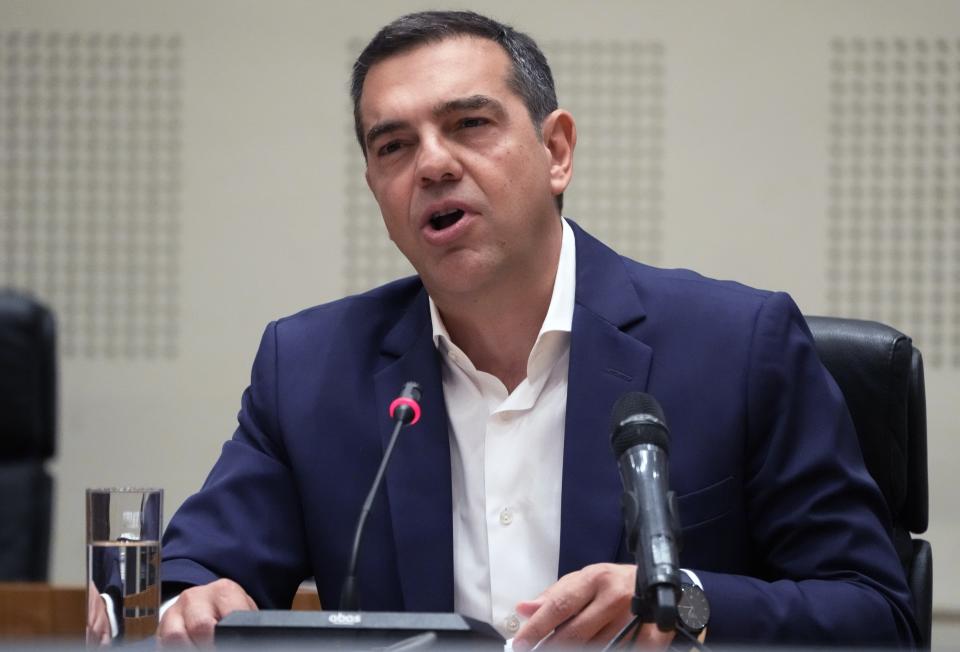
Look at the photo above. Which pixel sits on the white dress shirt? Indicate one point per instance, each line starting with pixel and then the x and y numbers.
pixel 506 457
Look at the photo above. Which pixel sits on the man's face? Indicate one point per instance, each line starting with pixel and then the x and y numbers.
pixel 464 183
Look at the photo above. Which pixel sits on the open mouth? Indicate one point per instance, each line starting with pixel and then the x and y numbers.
pixel 440 221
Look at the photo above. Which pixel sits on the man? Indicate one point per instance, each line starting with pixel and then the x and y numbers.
pixel 503 503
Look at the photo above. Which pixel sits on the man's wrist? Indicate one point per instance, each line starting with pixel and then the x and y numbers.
pixel 166 605
pixel 111 614
pixel 693 608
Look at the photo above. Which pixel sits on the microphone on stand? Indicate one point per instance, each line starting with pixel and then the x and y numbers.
pixel 350 628
pixel 404 410
pixel 641 443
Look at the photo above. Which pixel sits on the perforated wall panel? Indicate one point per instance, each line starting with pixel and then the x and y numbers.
pixel 894 213
pixel 90 185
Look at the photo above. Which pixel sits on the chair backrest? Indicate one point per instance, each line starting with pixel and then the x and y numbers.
pixel 881 376
pixel 28 400
pixel 28 379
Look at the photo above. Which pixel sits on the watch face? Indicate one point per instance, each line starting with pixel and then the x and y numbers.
pixel 693 608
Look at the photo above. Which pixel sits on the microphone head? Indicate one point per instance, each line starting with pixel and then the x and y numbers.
pixel 406 407
pixel 411 390
pixel 637 418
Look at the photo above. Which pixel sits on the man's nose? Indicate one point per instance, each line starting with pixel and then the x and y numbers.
pixel 437 162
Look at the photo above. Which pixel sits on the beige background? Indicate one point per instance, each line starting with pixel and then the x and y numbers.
pixel 265 153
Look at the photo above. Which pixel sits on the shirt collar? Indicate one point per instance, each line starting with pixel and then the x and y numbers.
pixel 559 316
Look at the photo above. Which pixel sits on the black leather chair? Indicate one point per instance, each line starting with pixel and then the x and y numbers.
pixel 881 376
pixel 28 400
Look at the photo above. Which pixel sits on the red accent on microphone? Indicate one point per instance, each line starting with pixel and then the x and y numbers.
pixel 409 402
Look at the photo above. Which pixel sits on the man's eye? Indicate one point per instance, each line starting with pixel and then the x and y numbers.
pixel 389 148
pixel 473 122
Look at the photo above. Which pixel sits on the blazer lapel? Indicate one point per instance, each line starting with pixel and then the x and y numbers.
pixel 418 477
pixel 605 363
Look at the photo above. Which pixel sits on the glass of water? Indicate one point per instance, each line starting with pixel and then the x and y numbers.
pixel 123 563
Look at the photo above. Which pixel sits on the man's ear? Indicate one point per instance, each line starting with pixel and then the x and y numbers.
pixel 559 139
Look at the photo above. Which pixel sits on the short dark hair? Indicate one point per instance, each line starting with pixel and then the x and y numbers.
pixel 531 78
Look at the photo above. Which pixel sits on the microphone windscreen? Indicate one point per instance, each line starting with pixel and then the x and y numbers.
pixel 637 418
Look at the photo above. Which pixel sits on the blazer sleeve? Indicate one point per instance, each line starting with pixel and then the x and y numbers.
pixel 818 523
pixel 246 522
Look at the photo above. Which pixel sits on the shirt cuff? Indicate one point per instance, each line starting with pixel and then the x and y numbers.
pixel 111 616
pixel 166 605
pixel 693 577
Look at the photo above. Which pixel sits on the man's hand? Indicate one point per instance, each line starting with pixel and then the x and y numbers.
pixel 588 606
pixel 98 623
pixel 191 619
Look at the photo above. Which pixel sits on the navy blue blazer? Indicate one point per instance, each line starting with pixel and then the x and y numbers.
pixel 781 521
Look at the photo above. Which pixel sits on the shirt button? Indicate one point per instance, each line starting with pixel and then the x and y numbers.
pixel 512 623
pixel 506 516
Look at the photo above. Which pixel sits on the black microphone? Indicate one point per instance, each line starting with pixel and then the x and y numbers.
pixel 641 443
pixel 404 410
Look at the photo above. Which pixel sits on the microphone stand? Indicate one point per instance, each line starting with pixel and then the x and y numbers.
pixel 636 624
pixel 350 628
pixel 662 610
pixel 665 601
pixel 349 595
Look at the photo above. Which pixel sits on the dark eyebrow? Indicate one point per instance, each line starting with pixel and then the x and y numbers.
pixel 378 130
pixel 470 103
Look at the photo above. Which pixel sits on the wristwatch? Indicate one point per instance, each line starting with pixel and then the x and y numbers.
pixel 693 609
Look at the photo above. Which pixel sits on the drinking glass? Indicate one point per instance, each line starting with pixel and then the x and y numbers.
pixel 123 563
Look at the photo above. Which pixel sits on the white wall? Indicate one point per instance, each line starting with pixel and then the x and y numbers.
pixel 265 136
